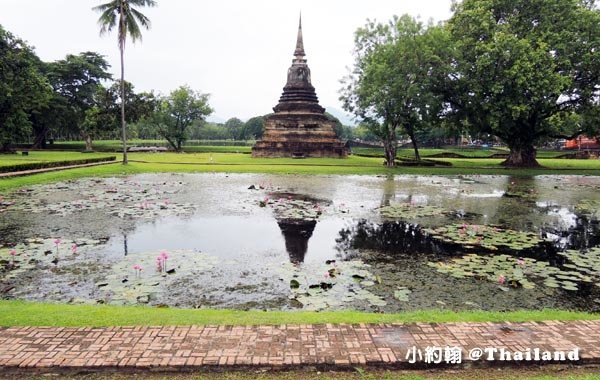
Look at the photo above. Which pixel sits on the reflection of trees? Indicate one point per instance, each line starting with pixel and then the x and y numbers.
pixel 517 209
pixel 405 238
pixel 389 237
pixel 585 234
pixel 389 190
pixel 296 234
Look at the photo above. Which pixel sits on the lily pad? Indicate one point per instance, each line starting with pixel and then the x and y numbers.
pixel 484 236
pixel 409 211
pixel 318 290
pixel 138 277
pixel 510 272
pixel 115 196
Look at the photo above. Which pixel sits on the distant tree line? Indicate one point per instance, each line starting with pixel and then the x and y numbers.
pixel 76 98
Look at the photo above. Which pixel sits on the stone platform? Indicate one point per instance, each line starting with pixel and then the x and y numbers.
pixel 50 349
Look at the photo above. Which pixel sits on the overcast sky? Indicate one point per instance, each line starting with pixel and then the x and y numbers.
pixel 236 50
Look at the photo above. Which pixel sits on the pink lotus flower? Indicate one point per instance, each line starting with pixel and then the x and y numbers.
pixel 74 249
pixel 137 267
pixel 521 262
pixel 501 279
pixel 57 244
pixel 161 261
pixel 12 252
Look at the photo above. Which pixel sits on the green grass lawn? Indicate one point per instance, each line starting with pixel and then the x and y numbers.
pixel 228 146
pixel 244 163
pixel 47 156
pixel 21 313
pixel 200 146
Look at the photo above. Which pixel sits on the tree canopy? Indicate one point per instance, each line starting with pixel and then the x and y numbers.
pixel 390 85
pixel 521 65
pixel 175 113
pixel 23 88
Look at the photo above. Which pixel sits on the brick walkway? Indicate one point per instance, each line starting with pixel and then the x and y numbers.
pixel 285 346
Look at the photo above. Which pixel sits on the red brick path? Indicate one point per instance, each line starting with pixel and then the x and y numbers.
pixel 285 346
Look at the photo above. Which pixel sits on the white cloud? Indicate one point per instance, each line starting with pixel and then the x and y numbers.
pixel 237 50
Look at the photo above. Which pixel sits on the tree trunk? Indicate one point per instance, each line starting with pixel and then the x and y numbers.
pixel 389 146
pixel 88 143
pixel 178 146
pixel 413 140
pixel 123 125
pixel 170 142
pixel 5 148
pixel 521 157
pixel 39 141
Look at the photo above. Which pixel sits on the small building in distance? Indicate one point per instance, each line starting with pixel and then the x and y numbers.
pixel 583 142
pixel 299 127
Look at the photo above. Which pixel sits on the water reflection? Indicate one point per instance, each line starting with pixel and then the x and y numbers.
pixel 296 234
pixel 398 237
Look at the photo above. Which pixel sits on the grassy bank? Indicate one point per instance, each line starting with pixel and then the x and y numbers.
pixel 37 157
pixel 21 313
pixel 244 163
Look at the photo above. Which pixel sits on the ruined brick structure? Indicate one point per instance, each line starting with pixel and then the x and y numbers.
pixel 299 126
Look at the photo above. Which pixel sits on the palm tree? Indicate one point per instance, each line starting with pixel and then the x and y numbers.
pixel 128 19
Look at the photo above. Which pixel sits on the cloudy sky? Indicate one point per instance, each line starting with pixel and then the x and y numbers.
pixel 236 50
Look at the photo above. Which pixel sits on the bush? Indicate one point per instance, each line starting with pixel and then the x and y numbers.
pixel 54 164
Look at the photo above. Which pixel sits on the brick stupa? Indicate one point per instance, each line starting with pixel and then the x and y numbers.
pixel 299 127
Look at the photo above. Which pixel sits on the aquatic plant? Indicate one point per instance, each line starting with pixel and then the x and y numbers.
pixel 409 211
pixel 57 244
pixel 330 285
pixel 138 270
pixel 115 196
pixel 485 236
pixel 586 262
pixel 402 293
pixel 588 208
pixel 118 287
pixel 512 272
pixel 12 253
pixel 33 253
pixel 161 261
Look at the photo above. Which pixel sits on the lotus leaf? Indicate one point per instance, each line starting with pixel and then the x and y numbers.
pixel 409 211
pixel 484 236
pixel 318 290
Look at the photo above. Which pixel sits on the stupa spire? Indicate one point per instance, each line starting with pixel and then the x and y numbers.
pixel 299 52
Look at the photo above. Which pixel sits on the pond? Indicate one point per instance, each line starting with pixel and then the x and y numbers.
pixel 291 242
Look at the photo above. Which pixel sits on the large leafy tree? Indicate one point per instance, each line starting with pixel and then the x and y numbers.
pixel 23 89
pixel 122 15
pixel 254 128
pixel 175 114
pixel 77 82
pixel 521 65
pixel 390 86
pixel 235 128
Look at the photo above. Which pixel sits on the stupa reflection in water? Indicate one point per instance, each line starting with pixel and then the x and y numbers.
pixel 296 233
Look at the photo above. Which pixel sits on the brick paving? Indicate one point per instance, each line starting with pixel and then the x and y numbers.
pixel 288 346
